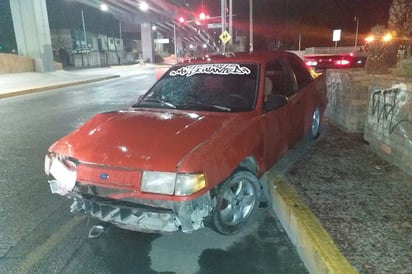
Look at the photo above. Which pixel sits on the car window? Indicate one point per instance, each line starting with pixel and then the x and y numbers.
pixel 302 75
pixel 280 78
pixel 210 87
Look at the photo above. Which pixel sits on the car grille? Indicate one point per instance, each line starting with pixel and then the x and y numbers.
pixel 101 175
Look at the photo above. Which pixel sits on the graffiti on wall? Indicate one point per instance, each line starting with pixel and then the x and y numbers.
pixel 389 108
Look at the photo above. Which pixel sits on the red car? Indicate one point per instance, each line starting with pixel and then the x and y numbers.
pixel 193 149
pixel 320 62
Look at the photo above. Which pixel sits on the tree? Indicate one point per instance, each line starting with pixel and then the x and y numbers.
pixel 400 17
pixel 381 55
pixel 400 20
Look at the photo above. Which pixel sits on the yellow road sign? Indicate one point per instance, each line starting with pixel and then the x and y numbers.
pixel 225 37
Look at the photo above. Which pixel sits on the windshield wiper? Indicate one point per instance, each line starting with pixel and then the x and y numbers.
pixel 165 103
pixel 219 107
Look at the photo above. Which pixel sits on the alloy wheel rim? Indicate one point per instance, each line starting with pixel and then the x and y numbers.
pixel 237 202
pixel 315 122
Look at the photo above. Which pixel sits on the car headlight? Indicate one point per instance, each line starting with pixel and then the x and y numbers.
pixel 158 182
pixel 170 183
pixel 47 164
pixel 64 171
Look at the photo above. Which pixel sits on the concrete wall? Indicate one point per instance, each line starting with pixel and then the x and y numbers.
pixel 11 63
pixel 388 127
pixel 348 98
pixel 379 106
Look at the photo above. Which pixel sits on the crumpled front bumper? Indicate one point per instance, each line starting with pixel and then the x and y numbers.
pixel 160 216
pixel 118 206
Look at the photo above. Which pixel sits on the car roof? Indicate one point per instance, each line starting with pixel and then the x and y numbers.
pixel 241 57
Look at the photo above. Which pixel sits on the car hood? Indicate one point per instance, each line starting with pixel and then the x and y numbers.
pixel 142 139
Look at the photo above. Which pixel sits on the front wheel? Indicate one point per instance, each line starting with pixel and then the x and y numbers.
pixel 236 202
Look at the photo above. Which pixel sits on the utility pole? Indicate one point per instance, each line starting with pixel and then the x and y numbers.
pixel 231 20
pixel 174 38
pixel 85 40
pixel 250 25
pixel 223 19
pixel 356 34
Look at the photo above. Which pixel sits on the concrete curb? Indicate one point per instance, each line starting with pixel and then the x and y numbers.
pixel 53 86
pixel 316 248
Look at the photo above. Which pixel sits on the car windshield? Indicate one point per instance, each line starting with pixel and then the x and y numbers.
pixel 229 87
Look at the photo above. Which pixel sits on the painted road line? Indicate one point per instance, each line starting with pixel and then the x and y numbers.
pixel 41 251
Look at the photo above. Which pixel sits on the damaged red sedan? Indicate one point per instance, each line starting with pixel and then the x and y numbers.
pixel 192 151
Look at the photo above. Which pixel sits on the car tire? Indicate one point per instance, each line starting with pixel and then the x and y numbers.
pixel 314 130
pixel 237 200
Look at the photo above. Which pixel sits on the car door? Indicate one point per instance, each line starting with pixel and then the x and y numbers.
pixel 305 96
pixel 275 119
pixel 295 102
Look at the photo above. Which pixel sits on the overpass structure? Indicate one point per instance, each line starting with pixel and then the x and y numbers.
pixel 32 31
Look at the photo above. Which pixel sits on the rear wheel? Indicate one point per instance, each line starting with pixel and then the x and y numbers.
pixel 315 125
pixel 236 202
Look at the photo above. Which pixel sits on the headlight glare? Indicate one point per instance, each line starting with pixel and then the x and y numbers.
pixel 158 182
pixel 187 184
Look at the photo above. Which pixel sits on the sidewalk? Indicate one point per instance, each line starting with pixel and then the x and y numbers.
pixel 22 83
pixel 334 194
pixel 363 202
pixel 27 82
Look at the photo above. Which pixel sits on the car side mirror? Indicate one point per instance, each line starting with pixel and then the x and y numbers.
pixel 274 101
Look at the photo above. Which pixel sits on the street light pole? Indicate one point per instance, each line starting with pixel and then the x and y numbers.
pixel 250 25
pixel 223 19
pixel 85 39
pixel 174 38
pixel 356 34
pixel 120 30
pixel 231 20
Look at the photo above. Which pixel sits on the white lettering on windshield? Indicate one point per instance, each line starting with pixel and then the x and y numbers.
pixel 219 69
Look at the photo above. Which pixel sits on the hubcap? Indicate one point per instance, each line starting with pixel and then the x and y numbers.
pixel 315 122
pixel 237 202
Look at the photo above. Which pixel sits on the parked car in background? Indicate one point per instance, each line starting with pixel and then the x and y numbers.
pixel 320 62
pixel 192 151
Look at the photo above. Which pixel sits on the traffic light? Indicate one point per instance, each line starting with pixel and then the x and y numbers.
pixel 181 19
pixel 203 16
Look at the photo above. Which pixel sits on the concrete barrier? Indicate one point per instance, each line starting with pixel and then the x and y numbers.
pixel 379 106
pixel 388 125
pixel 11 63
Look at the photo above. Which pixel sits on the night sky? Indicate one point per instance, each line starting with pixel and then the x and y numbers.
pixel 67 14
pixel 274 20
pixel 313 20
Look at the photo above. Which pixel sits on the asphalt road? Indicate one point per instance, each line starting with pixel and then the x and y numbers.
pixel 38 234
